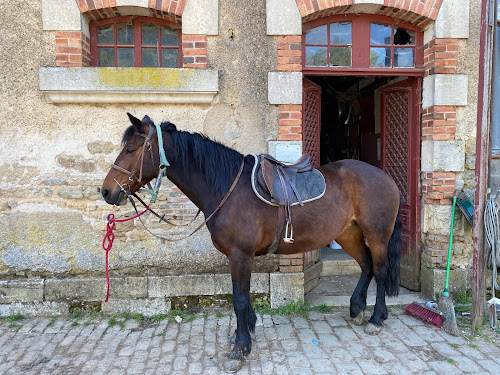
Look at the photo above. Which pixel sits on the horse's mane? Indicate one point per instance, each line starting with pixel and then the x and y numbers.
pixel 219 163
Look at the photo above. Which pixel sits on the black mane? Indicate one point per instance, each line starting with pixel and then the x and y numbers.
pixel 219 164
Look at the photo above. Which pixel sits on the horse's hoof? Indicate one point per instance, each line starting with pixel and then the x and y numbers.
pixel 232 365
pixel 372 329
pixel 360 319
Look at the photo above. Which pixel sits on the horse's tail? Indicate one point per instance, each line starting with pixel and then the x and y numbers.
pixel 393 255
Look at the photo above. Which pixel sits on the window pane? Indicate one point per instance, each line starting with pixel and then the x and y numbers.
pixel 403 57
pixel 318 35
pixel 169 58
pixel 380 57
pixel 380 34
pixel 169 37
pixel 316 56
pixel 125 33
pixel 105 35
pixel 340 33
pixel 125 57
pixel 106 57
pixel 340 56
pixel 404 37
pixel 149 34
pixel 150 57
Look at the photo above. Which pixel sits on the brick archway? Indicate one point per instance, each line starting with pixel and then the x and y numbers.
pixel 170 10
pixel 417 12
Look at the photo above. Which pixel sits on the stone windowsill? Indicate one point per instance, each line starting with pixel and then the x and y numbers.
pixel 128 85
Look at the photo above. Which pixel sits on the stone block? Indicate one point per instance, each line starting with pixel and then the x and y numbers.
pixel 259 283
pixel 147 307
pixel 61 15
pixel 432 281
pixel 286 151
pixel 35 309
pixel 452 20
pixel 201 17
pixel 285 87
pixel 21 291
pixel 443 156
pixel 85 289
pixel 286 288
pixel 183 285
pixel 283 17
pixel 445 90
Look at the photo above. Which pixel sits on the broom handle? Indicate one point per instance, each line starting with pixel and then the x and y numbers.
pixel 445 291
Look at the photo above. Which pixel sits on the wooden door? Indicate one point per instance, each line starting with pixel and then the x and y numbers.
pixel 400 157
pixel 311 119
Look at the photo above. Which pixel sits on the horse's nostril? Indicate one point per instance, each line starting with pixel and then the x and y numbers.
pixel 105 193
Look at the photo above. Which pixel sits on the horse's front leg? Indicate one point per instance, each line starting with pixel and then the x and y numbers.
pixel 241 268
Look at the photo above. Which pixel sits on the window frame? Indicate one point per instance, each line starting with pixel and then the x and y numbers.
pixel 137 22
pixel 360 47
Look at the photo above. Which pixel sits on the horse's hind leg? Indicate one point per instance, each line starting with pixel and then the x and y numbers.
pixel 241 268
pixel 353 243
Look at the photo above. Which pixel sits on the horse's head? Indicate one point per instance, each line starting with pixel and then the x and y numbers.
pixel 136 164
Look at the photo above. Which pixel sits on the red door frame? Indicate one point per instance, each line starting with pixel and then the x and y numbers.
pixel 311 137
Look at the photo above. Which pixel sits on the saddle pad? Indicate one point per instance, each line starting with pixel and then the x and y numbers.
pixel 310 185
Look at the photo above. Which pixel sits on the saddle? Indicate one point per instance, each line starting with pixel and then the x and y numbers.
pixel 285 185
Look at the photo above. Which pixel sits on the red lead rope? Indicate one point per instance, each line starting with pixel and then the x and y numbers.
pixel 110 237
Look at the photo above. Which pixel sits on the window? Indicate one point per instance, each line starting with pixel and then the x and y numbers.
pixel 383 53
pixel 329 45
pixel 365 43
pixel 135 42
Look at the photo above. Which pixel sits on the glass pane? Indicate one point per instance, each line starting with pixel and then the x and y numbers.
pixel 149 34
pixel 380 57
pixel 318 35
pixel 125 33
pixel 340 56
pixel 106 57
pixel 380 34
pixel 125 57
pixel 315 56
pixel 169 37
pixel 403 57
pixel 340 33
pixel 169 58
pixel 105 35
pixel 150 57
pixel 404 37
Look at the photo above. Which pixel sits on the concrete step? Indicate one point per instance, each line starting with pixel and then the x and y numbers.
pixel 338 262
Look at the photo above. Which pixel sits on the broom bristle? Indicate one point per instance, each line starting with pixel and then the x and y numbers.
pixel 445 305
pixel 425 314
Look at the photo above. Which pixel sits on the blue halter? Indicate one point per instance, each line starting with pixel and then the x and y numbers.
pixel 163 166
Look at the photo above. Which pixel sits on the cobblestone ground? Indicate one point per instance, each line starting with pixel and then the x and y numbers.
pixel 320 344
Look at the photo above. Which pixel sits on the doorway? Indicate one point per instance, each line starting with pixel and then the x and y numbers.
pixel 375 119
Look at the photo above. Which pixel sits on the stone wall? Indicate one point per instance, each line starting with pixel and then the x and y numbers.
pixel 55 156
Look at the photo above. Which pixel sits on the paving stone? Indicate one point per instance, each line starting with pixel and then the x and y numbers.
pixel 327 344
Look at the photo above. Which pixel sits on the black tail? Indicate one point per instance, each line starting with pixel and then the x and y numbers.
pixel 393 255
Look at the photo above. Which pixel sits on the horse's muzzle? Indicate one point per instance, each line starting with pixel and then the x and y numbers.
pixel 117 197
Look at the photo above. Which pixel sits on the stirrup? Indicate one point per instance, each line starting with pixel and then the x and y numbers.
pixel 287 238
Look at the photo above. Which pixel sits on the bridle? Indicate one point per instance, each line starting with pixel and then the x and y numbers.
pixel 125 188
pixel 132 175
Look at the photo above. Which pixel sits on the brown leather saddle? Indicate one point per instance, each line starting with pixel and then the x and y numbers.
pixel 285 185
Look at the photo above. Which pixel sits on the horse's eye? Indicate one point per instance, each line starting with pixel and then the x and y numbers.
pixel 129 150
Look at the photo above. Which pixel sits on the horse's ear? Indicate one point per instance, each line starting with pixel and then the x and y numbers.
pixel 138 124
pixel 147 120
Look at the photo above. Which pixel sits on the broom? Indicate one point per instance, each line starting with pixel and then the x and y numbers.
pixel 445 304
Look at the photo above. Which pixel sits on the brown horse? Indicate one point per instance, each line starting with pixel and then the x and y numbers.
pixel 359 210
